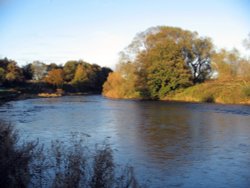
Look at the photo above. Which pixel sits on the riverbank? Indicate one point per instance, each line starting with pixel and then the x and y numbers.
pixel 8 95
pixel 213 91
pixel 11 95
pixel 222 92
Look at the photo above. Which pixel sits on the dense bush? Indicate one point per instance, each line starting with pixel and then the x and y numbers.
pixel 246 91
pixel 209 98
pixel 14 158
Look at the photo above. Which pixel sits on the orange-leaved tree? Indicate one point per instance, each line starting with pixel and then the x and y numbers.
pixel 55 77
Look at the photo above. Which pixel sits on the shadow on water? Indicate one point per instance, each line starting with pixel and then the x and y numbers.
pixel 191 144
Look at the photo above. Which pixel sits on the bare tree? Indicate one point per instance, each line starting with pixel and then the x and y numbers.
pixel 198 59
pixel 246 42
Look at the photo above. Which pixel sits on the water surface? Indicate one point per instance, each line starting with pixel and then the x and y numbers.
pixel 169 144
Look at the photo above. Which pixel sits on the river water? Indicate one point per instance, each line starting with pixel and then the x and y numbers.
pixel 169 144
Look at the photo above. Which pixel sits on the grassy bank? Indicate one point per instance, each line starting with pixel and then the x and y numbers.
pixel 225 92
pixel 214 91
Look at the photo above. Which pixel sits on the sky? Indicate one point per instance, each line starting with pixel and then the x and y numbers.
pixel 97 30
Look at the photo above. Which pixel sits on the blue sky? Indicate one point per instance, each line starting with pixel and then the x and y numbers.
pixel 96 30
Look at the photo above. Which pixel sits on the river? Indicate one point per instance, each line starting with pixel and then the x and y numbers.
pixel 169 144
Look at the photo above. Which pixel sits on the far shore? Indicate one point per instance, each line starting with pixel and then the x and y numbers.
pixel 212 91
pixel 16 95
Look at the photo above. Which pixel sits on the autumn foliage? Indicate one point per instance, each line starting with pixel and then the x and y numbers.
pixel 37 77
pixel 162 61
pixel 154 64
pixel 55 77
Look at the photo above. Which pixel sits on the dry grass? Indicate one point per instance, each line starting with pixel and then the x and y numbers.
pixel 68 165
pixel 226 92
pixel 15 158
pixel 49 95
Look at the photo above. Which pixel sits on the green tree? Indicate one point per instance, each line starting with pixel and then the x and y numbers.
pixel 92 74
pixel 69 70
pixel 81 77
pixel 4 63
pixel 100 77
pixel 28 71
pixel 97 76
pixel 161 67
pixel 164 59
pixel 52 66
pixel 14 73
pixel 85 76
pixel 2 75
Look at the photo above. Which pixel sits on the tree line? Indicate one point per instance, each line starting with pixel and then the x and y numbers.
pixel 164 59
pixel 74 76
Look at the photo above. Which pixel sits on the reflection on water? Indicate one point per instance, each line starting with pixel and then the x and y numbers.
pixel 169 144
